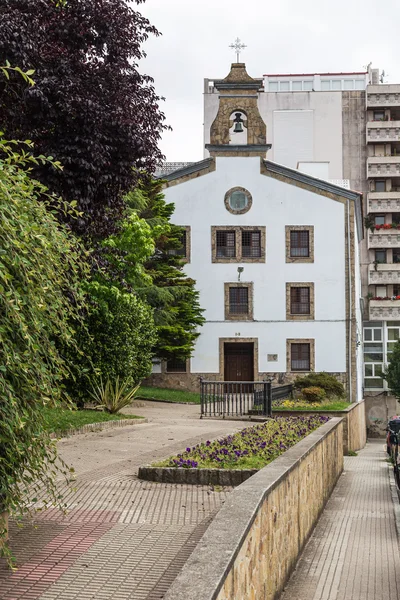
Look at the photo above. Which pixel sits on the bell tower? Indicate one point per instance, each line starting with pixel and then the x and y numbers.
pixel 238 129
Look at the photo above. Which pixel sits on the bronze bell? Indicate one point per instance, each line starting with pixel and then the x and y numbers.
pixel 238 121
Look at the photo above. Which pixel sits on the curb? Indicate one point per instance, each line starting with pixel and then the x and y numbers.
pixel 396 499
pixel 167 401
pixel 95 427
pixel 223 477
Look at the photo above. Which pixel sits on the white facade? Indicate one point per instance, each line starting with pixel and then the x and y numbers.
pixel 199 204
pixel 283 239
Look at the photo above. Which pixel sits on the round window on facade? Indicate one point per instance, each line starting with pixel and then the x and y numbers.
pixel 238 200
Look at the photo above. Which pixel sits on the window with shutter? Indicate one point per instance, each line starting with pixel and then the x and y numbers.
pixel 300 357
pixel 233 244
pixel 251 244
pixel 300 300
pixel 226 244
pixel 299 244
pixel 238 300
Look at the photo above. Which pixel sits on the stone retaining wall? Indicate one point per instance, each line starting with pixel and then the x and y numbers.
pixel 190 382
pixel 354 425
pixel 224 477
pixel 379 408
pixel 251 547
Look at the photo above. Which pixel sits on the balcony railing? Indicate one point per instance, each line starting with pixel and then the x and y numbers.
pixel 384 274
pixel 384 202
pixel 383 95
pixel 384 238
pixel 383 166
pixel 380 310
pixel 383 131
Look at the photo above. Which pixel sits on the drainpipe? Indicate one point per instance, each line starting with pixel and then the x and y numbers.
pixel 350 294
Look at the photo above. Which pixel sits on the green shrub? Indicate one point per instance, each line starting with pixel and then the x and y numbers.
pixel 40 296
pixel 327 382
pixel 116 342
pixel 313 394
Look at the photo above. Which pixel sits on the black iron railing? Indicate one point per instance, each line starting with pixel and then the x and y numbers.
pixel 240 398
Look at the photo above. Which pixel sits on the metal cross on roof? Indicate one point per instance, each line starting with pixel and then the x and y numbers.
pixel 237 46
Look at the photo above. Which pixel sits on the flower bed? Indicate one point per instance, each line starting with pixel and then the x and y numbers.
pixel 386 226
pixel 384 298
pixel 242 453
pixel 325 405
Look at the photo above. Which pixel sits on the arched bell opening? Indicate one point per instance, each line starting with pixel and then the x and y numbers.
pixel 238 128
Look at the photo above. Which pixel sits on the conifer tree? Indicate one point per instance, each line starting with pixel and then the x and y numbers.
pixel 163 283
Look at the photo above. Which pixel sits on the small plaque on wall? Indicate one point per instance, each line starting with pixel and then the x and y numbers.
pixel 272 358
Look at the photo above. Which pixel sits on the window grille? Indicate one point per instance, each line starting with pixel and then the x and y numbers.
pixel 226 244
pixel 300 300
pixel 238 300
pixel 299 243
pixel 251 244
pixel 300 357
pixel 176 366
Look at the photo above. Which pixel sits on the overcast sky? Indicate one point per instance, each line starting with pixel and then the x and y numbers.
pixel 285 36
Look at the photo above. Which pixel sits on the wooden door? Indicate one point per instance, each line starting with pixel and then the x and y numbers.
pixel 238 360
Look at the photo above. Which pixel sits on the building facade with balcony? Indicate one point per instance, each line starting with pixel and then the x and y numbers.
pixel 382 325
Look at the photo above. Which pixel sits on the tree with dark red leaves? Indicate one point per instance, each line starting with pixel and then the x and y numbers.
pixel 90 108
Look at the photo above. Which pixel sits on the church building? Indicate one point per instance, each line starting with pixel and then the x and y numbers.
pixel 274 252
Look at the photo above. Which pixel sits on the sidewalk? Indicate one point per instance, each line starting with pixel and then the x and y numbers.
pixel 126 539
pixel 353 553
pixel 122 539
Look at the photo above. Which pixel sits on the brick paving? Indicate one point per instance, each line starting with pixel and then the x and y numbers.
pixel 122 538
pixel 126 539
pixel 353 553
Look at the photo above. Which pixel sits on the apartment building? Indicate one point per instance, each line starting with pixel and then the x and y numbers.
pixel 382 327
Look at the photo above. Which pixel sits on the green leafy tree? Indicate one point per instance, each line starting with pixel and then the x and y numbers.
pixel 41 268
pixel 119 334
pixel 91 108
pixel 392 374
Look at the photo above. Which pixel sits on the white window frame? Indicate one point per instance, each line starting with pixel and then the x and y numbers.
pixel 385 353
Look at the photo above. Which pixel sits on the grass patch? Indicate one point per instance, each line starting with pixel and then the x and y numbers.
pixel 288 405
pixel 250 448
pixel 352 453
pixel 59 420
pixel 154 393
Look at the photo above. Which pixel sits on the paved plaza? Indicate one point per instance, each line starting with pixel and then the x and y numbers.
pixel 126 539
pixel 122 539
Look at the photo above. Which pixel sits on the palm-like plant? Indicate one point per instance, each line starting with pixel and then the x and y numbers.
pixel 113 396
